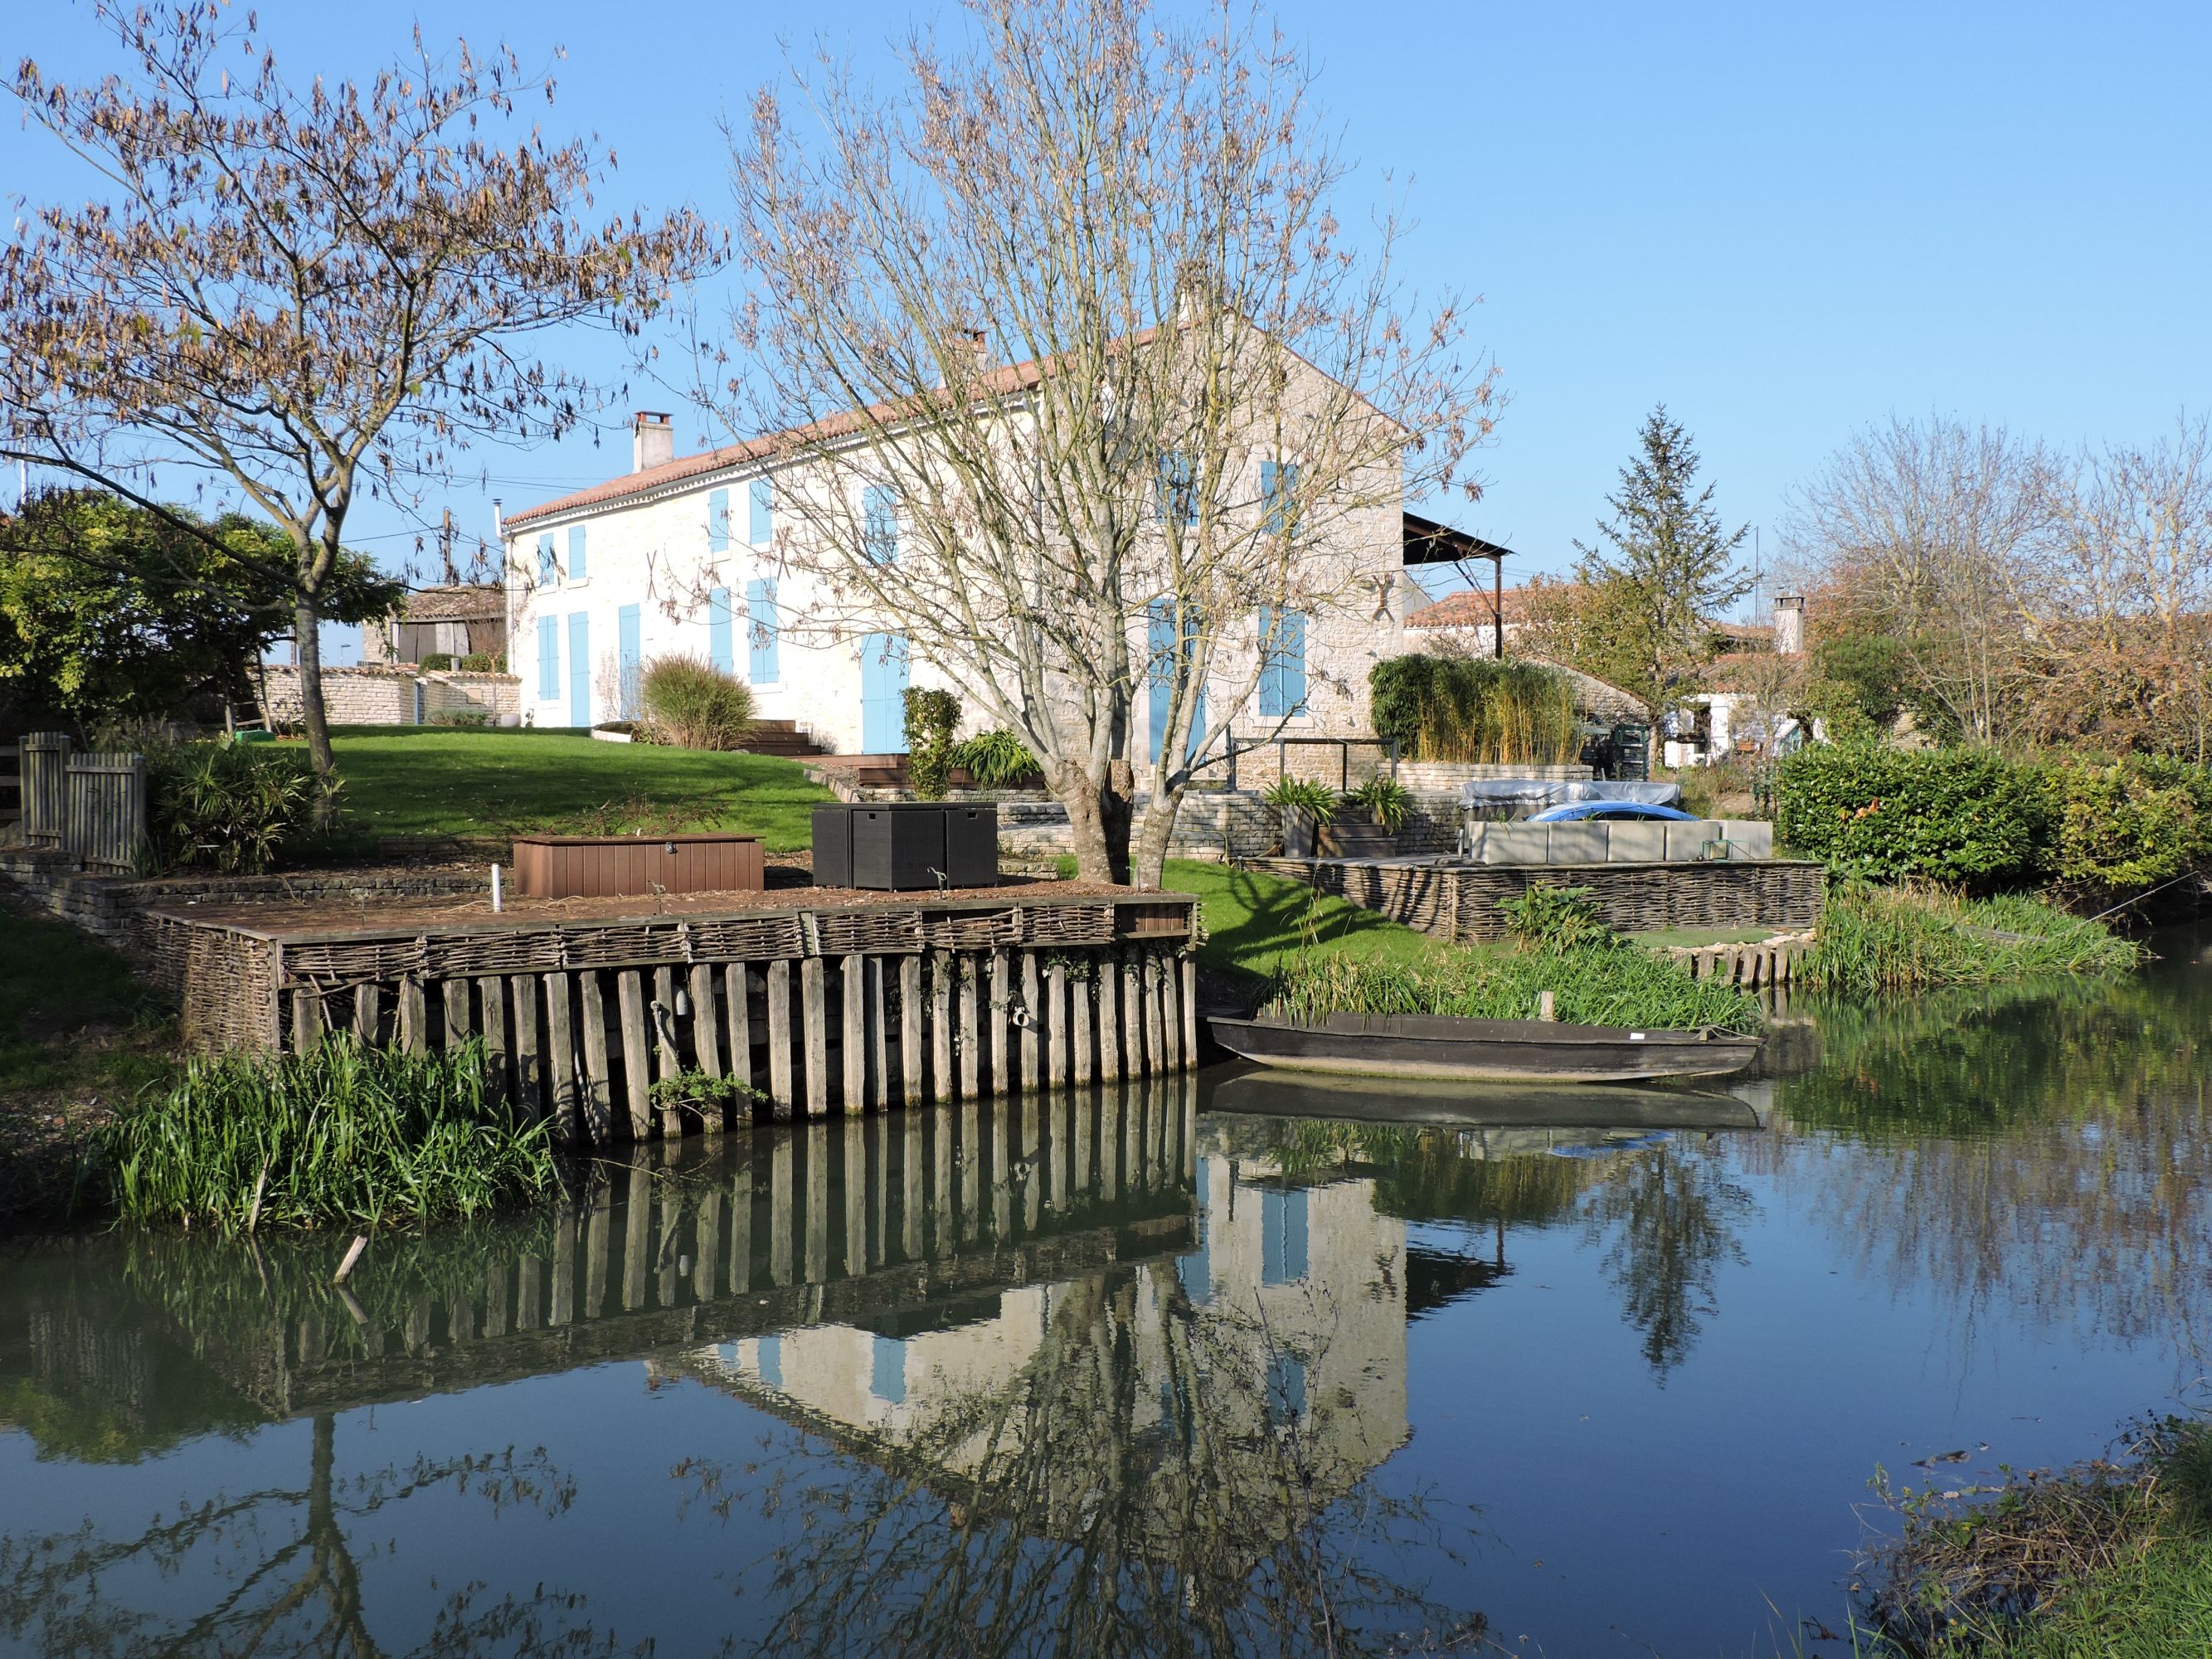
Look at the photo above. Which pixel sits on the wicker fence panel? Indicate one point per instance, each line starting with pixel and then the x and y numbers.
pixel 1066 925
pixel 889 933
pixel 628 945
pixel 747 938
pixel 971 930
pixel 353 962
pixel 464 956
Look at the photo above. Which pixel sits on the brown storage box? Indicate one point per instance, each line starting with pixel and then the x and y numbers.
pixel 608 867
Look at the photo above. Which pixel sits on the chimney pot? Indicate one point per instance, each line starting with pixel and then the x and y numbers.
pixel 652 440
pixel 1789 624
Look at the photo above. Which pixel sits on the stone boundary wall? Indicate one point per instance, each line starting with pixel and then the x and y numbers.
pixel 372 695
pixel 107 906
pixel 1212 825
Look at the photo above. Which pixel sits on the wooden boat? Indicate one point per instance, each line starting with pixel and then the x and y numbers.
pixel 1593 1114
pixel 1488 1050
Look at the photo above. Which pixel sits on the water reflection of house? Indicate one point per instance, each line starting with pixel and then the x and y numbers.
pixel 1290 1314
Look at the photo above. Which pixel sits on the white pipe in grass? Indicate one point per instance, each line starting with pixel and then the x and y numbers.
pixel 496 906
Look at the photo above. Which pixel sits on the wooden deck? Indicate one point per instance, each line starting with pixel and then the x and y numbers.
pixel 822 999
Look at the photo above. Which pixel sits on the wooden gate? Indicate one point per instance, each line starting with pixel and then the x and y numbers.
pixel 90 807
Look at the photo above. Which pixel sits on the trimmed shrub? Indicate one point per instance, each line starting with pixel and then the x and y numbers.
pixel 1965 817
pixel 1469 708
pixel 483 662
pixel 931 716
pixel 690 704
pixel 231 807
pixel 2123 826
pixel 434 661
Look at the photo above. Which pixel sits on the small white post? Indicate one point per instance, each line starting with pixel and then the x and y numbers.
pixel 496 906
pixel 1548 1007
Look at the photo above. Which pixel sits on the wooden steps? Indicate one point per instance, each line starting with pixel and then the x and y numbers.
pixel 781 738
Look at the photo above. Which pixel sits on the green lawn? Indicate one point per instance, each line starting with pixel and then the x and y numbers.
pixel 431 780
pixel 1251 919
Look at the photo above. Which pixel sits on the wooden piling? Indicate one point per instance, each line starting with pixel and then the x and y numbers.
pixel 491 1005
pixel 1055 1025
pixel 307 1019
pixel 1110 1025
pixel 1156 1057
pixel 737 985
pixel 940 1027
pixel 998 1009
pixel 706 1040
pixel 972 1031
pixel 598 1082
pixel 911 1080
pixel 1187 968
pixel 780 1091
pixel 1084 990
pixel 414 1017
pixel 637 1062
pixel 814 1013
pixel 454 993
pixel 1170 1000
pixel 562 1096
pixel 1032 1021
pixel 1133 1015
pixel 878 1039
pixel 367 1012
pixel 530 1096
pixel 852 984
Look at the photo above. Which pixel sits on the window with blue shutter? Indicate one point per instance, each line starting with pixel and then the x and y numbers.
pixel 577 571
pixel 1282 1236
pixel 761 631
pixel 718 630
pixel 768 1356
pixel 549 571
pixel 761 530
pixel 630 659
pixel 1178 489
pixel 548 656
pixel 887 1369
pixel 1282 662
pixel 879 523
pixel 1160 672
pixel 718 521
pixel 1278 490
pixel 1286 1390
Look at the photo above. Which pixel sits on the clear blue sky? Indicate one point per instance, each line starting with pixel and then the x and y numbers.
pixel 1784 221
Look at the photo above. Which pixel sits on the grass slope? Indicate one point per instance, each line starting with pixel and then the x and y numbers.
pixel 429 781
pixel 1253 919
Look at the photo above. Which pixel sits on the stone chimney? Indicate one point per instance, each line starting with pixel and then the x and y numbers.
pixel 1789 624
pixel 652 440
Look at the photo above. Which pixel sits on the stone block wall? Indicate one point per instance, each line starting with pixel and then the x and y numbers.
pixel 374 696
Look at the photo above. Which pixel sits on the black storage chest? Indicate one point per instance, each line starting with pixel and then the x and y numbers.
pixel 906 845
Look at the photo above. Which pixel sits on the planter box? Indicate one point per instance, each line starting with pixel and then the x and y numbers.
pixel 607 867
pixel 1299 829
pixel 1349 838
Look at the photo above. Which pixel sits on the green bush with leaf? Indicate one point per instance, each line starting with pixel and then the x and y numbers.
pixel 2123 826
pixel 1383 799
pixel 1969 818
pixel 1316 800
pixel 1559 919
pixel 483 662
pixel 931 716
pixel 232 807
pixel 436 662
pixel 691 704
pixel 998 759
pixel 1475 708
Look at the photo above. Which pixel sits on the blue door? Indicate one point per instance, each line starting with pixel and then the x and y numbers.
pixel 884 671
pixel 630 659
pixel 1159 656
pixel 580 669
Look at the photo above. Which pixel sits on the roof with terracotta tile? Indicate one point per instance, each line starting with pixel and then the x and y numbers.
pixel 1469 608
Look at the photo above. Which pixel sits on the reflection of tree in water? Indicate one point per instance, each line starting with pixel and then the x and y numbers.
pixel 282 1565
pixel 1671 1213
pixel 2047 1150
pixel 1152 1482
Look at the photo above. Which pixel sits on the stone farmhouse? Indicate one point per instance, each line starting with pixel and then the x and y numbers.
pixel 691 556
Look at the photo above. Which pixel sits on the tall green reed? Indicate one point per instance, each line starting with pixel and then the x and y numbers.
pixel 1594 985
pixel 1873 940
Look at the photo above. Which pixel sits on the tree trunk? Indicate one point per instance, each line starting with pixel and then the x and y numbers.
pixel 307 624
pixel 1098 813
pixel 1150 857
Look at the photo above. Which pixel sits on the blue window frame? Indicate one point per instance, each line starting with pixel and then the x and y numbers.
pixel 879 523
pixel 761 631
pixel 549 568
pixel 1282 662
pixel 1278 490
pixel 1178 489
pixel 718 521
pixel 579 668
pixel 718 630
pixel 630 659
pixel 577 569
pixel 1282 1236
pixel 762 498
pixel 887 1371
pixel 549 657
pixel 1160 672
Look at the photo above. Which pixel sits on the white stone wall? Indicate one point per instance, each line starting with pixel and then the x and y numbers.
pixel 371 696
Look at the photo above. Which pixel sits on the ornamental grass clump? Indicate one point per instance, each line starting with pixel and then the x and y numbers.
pixel 343 1134
pixel 1873 940
pixel 690 704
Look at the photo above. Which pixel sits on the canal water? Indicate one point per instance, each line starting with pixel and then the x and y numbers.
pixel 1214 1365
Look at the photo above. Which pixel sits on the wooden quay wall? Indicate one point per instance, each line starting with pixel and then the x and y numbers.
pixel 822 1005
pixel 1459 902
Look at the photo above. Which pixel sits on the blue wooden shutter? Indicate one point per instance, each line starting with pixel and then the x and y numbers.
pixel 630 659
pixel 1279 488
pixel 718 521
pixel 548 656
pixel 579 668
pixel 1282 662
pixel 760 610
pixel 549 572
pixel 762 500
pixel 577 570
pixel 718 630
pixel 879 523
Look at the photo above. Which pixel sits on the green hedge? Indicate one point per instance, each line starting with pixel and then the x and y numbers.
pixel 1966 817
pixel 1974 820
pixel 1474 709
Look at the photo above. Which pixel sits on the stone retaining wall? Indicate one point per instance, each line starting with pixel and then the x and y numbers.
pixel 372 695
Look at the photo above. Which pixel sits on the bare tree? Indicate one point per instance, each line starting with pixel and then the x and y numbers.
pixel 300 294
pixel 1225 399
pixel 1937 534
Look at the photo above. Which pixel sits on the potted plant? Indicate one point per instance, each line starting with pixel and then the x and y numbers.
pixel 1305 807
pixel 1368 820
